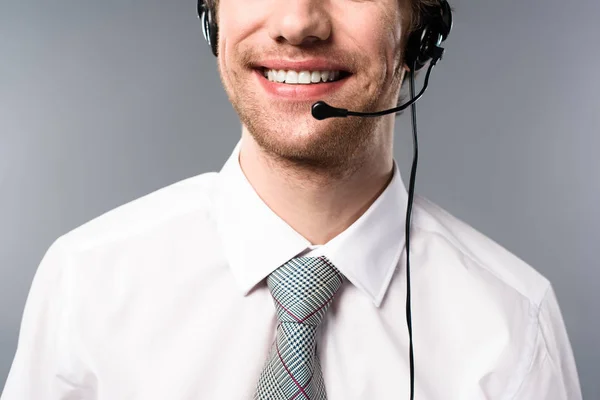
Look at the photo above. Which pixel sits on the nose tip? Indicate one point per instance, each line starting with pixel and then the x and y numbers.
pixel 300 23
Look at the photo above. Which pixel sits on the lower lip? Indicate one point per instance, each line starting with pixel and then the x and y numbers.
pixel 298 92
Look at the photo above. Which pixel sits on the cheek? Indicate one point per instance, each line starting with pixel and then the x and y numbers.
pixel 236 21
pixel 228 56
pixel 239 19
pixel 394 41
pixel 385 41
pixel 392 47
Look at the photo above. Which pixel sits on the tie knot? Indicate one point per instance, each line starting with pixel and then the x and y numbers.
pixel 303 289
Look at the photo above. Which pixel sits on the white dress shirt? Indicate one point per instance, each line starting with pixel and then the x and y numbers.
pixel 165 298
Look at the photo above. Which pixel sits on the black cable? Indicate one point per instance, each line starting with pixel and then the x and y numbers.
pixel 411 192
pixel 412 101
pixel 321 110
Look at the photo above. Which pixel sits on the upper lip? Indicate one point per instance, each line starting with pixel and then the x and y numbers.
pixel 313 64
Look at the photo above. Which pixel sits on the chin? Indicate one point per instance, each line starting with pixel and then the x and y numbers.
pixel 289 132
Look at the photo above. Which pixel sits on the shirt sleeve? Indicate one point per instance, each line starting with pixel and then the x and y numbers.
pixel 41 364
pixel 553 373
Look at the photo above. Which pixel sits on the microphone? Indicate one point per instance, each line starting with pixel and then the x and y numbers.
pixel 321 110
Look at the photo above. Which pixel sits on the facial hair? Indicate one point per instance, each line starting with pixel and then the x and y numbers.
pixel 289 135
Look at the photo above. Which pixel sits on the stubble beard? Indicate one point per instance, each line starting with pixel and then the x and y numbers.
pixel 293 140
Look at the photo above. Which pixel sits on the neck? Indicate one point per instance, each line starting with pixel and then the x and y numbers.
pixel 319 204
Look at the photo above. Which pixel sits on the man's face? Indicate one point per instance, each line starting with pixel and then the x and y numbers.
pixel 359 40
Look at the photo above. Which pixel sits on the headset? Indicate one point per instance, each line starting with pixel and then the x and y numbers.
pixel 423 46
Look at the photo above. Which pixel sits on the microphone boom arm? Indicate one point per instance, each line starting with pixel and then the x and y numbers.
pixel 321 110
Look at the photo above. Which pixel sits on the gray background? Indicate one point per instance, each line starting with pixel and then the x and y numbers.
pixel 102 102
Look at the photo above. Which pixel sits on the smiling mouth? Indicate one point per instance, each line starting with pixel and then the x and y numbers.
pixel 291 77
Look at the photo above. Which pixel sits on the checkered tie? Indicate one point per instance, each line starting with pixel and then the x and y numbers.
pixel 302 290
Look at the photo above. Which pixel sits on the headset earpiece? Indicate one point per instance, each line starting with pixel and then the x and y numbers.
pixel 424 43
pixel 209 25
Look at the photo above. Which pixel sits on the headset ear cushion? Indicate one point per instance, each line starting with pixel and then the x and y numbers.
pixel 430 39
pixel 213 33
pixel 423 43
pixel 414 48
pixel 209 25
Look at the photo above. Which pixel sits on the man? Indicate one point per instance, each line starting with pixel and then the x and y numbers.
pixel 282 276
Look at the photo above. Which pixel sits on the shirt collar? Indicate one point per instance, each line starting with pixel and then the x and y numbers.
pixel 256 241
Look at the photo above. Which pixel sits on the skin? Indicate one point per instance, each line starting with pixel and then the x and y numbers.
pixel 318 176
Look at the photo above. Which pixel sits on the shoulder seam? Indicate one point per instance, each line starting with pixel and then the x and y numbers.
pixel 77 246
pixel 476 261
pixel 526 363
pixel 452 239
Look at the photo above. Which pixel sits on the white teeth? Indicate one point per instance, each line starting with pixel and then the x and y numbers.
pixel 303 77
pixel 300 77
pixel 315 77
pixel 291 77
pixel 280 76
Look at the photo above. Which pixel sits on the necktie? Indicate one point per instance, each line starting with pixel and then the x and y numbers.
pixel 302 290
